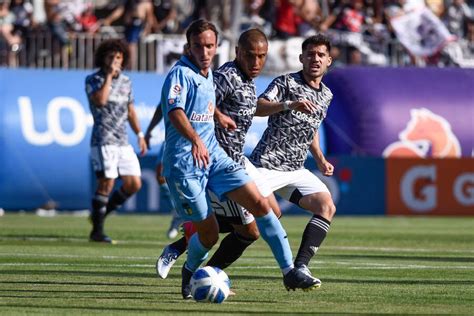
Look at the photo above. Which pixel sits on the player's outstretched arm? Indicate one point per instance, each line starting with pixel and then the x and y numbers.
pixel 199 151
pixel 324 166
pixel 266 107
pixel 157 116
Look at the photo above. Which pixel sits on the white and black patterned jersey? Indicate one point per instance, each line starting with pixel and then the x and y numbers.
pixel 285 142
pixel 236 97
pixel 110 120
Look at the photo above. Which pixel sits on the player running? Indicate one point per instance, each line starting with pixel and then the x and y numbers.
pixel 283 148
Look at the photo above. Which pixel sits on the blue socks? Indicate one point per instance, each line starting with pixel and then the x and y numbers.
pixel 275 236
pixel 197 253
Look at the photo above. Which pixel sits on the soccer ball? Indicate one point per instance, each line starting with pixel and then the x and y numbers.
pixel 210 284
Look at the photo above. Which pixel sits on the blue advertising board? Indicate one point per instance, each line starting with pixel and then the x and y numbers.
pixel 45 127
pixel 45 133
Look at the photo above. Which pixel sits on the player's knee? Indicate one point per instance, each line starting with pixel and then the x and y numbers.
pixel 105 186
pixel 261 207
pixel 209 240
pixel 133 186
pixel 251 233
pixel 328 210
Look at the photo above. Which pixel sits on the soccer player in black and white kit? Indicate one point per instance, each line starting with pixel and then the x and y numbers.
pixel 111 103
pixel 297 104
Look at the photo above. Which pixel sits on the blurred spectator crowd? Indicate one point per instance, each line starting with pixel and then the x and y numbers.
pixel 362 31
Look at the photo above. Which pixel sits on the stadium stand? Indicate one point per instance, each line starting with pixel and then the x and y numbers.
pixel 63 34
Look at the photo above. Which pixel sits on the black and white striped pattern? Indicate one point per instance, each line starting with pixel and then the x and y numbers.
pixel 319 222
pixel 230 210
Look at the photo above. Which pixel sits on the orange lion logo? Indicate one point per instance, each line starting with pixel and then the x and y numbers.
pixel 425 130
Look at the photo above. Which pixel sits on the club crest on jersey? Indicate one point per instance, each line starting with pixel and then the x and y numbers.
pixel 187 208
pixel 203 117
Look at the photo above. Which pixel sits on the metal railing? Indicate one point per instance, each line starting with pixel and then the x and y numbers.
pixel 157 52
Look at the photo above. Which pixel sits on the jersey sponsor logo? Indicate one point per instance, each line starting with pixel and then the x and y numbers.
pixel 203 117
pixel 233 168
pixel 247 112
pixel 305 117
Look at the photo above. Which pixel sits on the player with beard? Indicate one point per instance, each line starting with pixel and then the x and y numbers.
pixel 283 148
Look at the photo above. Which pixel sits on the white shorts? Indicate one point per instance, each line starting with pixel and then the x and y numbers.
pixel 293 185
pixel 111 161
pixel 231 212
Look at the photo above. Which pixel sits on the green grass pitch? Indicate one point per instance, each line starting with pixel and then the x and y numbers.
pixel 368 265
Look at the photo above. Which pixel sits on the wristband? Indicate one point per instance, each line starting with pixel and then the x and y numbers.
pixel 286 105
pixel 140 134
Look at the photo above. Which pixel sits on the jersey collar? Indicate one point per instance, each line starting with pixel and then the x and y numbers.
pixel 185 60
pixel 300 73
pixel 241 73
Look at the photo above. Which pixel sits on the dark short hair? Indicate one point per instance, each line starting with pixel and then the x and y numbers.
pixel 251 36
pixel 198 27
pixel 110 45
pixel 316 40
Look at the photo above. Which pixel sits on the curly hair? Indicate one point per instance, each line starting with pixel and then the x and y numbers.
pixel 107 46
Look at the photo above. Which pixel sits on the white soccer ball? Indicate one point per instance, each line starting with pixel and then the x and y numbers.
pixel 210 284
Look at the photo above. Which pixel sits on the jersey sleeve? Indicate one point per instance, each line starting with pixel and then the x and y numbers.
pixel 175 91
pixel 93 84
pixel 276 90
pixel 221 86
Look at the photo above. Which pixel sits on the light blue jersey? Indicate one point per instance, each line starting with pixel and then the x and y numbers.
pixel 187 89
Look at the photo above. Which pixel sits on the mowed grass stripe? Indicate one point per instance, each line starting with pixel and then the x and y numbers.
pixel 367 265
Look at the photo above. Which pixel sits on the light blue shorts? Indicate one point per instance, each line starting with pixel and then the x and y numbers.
pixel 190 193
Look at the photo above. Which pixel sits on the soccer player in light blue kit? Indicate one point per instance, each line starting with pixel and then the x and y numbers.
pixel 194 162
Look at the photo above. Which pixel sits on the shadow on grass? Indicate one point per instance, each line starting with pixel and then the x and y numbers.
pixel 210 308
pixel 174 278
pixel 366 281
pixel 79 283
pixel 401 282
pixel 100 292
pixel 81 273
